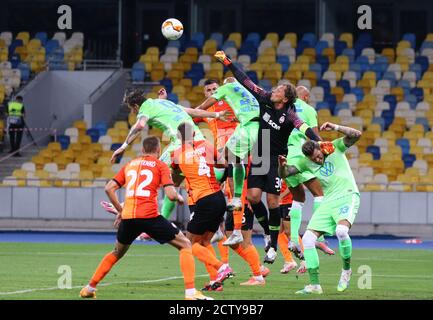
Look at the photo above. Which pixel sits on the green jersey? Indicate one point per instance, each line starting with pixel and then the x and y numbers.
pixel 243 103
pixel 335 175
pixel 167 116
pixel 307 114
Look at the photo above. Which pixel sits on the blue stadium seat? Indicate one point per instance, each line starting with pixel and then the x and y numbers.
pixel 380 121
pixel 418 93
pixel 323 61
pixel 301 47
pixel 426 45
pixel 173 97
pixel 415 67
pixel 381 59
pixel 339 46
pixel 405 84
pixel 322 105
pixel 331 100
pixel 284 61
pixel 411 99
pixel 424 122
pixel 379 69
pixel 50 46
pixel 253 76
pixel 325 85
pixel 388 117
pixel 423 62
pixel 320 46
pixel 358 92
pixel 309 38
pixel 94 134
pixel 64 141
pixel 229 44
pixel 375 151
pixel 15 60
pixel 341 106
pixel 167 84
pixel 317 68
pixel 102 127
pixel 345 84
pixel 174 44
pixel 25 71
pixel 42 36
pixel 408 160
pixel 404 145
pixel 265 84
pixel 411 38
pixel 392 100
pixel 253 37
pixel 389 75
pixel 198 37
pixel 349 52
pixel 15 44
pixel 138 72
pixel 115 146
pixel 218 37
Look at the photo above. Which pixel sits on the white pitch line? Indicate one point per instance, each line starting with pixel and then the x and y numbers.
pixel 100 285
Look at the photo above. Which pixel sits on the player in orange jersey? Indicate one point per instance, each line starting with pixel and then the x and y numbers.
pixel 196 160
pixel 142 177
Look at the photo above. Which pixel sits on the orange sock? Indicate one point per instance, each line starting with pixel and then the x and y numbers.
pixel 187 266
pixel 283 243
pixel 211 249
pixel 204 255
pixel 104 267
pixel 251 256
pixel 224 250
pixel 237 219
pixel 212 271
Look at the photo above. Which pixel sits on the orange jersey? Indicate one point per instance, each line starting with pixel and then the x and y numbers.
pixel 142 178
pixel 288 198
pixel 189 192
pixel 196 161
pixel 215 124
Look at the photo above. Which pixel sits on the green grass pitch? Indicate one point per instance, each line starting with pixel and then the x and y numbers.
pixel 30 271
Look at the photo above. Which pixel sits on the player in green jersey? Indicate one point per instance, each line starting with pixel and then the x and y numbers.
pixel 247 111
pixel 296 183
pixel 166 116
pixel 340 205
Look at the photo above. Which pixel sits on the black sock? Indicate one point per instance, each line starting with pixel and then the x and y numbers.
pixel 261 214
pixel 274 226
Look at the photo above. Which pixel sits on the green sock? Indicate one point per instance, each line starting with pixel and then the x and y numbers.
pixel 345 248
pixel 238 179
pixel 295 221
pixel 219 173
pixel 312 261
pixel 167 207
pixel 316 203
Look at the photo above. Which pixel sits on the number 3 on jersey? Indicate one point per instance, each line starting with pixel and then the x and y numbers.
pixel 139 191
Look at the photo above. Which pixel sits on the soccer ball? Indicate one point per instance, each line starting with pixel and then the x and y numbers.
pixel 172 29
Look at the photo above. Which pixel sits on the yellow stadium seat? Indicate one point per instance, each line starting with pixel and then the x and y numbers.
pixel 338 92
pixel 311 76
pixel 24 36
pixel 19 173
pixel 403 44
pixel 293 75
pixel 310 53
pixel 157 75
pixel 273 37
pixel 236 37
pixel 186 58
pixel 390 54
pixel 348 38
pixel 330 53
pixel 292 37
pixel 214 74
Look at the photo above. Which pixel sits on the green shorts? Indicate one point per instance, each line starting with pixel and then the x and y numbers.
pixel 243 139
pixel 330 212
pixel 293 159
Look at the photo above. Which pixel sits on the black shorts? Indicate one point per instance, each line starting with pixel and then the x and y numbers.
pixel 269 182
pixel 247 221
pixel 159 229
pixel 285 211
pixel 208 214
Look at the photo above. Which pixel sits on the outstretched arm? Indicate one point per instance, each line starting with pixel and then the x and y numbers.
pixel 351 135
pixel 134 132
pixel 260 94
pixel 209 102
pixel 199 113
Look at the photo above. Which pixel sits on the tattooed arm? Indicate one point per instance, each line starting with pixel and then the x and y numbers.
pixel 351 135
pixel 133 133
pixel 284 170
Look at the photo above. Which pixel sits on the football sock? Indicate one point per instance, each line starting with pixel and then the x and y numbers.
pixel 204 255
pixel 237 220
pixel 274 226
pixel 316 203
pixel 311 256
pixel 261 214
pixel 187 266
pixel 295 220
pixel 238 179
pixel 251 256
pixel 224 250
pixel 104 267
pixel 283 243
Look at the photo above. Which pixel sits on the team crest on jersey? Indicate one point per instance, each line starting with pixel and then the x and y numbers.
pixel 282 118
pixel 327 169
